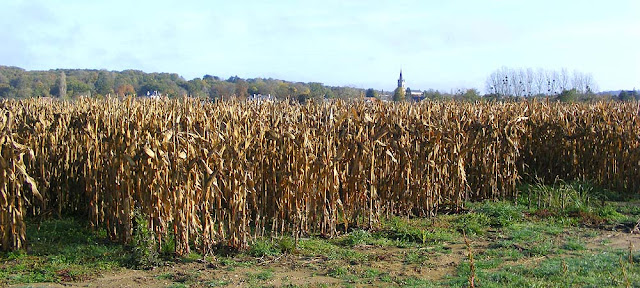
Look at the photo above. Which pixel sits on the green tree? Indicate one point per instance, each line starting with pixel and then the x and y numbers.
pixel 317 90
pixel 5 90
pixel 303 98
pixel 371 93
pixel 77 87
pixel 210 78
pixel 627 95
pixel 433 94
pixel 195 88
pixel 399 94
pixel 282 91
pixel 253 89
pixel 568 96
pixel 105 82
pixel 471 95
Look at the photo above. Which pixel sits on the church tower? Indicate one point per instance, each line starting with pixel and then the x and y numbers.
pixel 401 81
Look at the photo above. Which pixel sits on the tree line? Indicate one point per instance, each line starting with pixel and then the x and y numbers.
pixel 509 83
pixel 528 82
pixel 504 83
pixel 69 83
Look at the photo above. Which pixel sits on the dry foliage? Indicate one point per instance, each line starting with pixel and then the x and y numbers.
pixel 220 174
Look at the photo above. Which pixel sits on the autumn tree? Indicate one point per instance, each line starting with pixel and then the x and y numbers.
pixel 242 88
pixel 125 89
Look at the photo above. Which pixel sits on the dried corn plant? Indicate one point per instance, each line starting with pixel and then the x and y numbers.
pixel 211 174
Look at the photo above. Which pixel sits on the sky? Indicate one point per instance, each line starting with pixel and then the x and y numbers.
pixel 440 45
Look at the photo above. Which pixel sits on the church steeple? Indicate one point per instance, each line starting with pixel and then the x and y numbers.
pixel 401 81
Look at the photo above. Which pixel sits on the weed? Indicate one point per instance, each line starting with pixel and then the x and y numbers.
pixel 262 275
pixel 385 277
pixel 573 244
pixel 338 272
pixel 286 245
pixel 62 249
pixel 472 266
pixel 262 248
pixel 472 223
pixel 144 249
pixel 370 273
pixel 191 257
pixel 610 214
pixel 357 237
pixel 501 214
pixel 415 257
pixel 562 196
pixel 416 282
pixel 217 283
pixel 165 276
pixel 399 229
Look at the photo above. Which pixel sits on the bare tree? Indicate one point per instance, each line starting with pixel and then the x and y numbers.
pixel 577 82
pixel 564 79
pixel 540 81
pixel 553 82
pixel 519 83
pixel 590 86
pixel 492 83
pixel 529 82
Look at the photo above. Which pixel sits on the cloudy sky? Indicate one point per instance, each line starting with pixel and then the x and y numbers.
pixel 438 44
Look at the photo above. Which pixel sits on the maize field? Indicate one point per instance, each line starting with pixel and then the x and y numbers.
pixel 221 174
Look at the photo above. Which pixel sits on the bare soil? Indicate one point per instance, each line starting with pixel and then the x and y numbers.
pixel 300 270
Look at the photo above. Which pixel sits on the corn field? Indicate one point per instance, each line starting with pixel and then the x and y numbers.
pixel 211 174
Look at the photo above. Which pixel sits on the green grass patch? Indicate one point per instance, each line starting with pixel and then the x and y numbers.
pixel 415 257
pixel 500 213
pixel 263 247
pixel 573 245
pixel 472 223
pixel 338 272
pixel 261 275
pixel 217 283
pixel 606 269
pixel 62 250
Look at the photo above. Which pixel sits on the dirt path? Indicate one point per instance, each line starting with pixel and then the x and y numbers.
pixel 381 267
pixel 380 262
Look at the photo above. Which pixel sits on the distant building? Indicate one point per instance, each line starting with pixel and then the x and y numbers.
pixel 417 96
pixel 153 94
pixel 261 98
pixel 412 95
pixel 401 83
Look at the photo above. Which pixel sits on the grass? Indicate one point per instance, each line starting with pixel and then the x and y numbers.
pixel 513 244
pixel 62 250
pixel 602 269
pixel 261 275
pixel 217 283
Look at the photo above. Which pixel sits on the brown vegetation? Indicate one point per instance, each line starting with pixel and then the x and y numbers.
pixel 220 174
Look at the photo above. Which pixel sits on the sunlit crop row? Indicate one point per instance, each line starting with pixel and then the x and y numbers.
pixel 211 174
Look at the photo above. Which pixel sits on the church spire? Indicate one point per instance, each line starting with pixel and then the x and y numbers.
pixel 401 81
